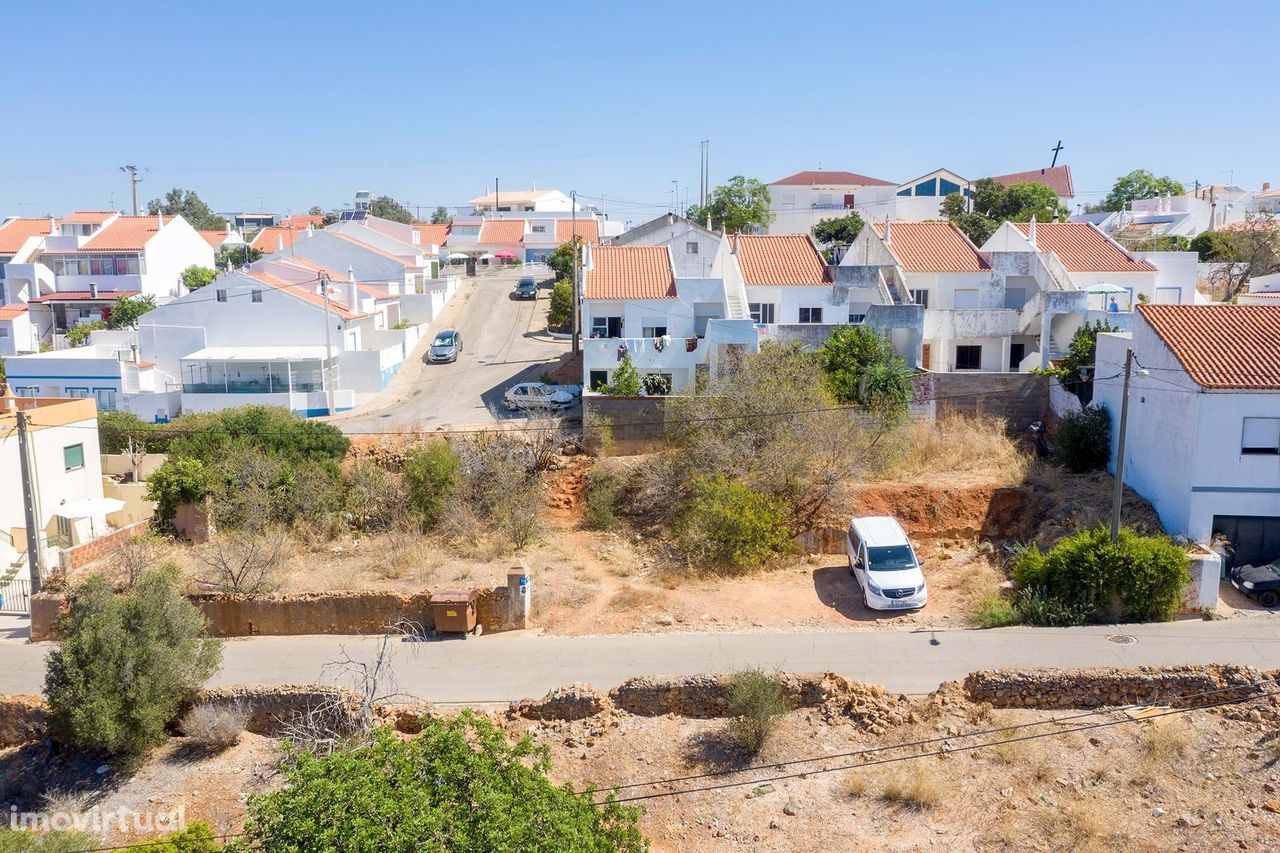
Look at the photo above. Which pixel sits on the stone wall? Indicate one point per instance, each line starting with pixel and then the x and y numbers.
pixel 103 546
pixel 1179 686
pixel 1019 398
pixel 621 426
pixel 271 710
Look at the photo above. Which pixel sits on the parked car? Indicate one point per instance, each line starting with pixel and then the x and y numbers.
pixel 527 288
pixel 445 347
pixel 536 396
pixel 885 564
pixel 1259 582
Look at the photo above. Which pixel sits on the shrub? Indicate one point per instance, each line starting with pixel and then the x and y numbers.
pixel 1083 439
pixel 403 324
pixel 994 611
pixel 373 500
pixel 656 385
pixel 1087 576
pixel 756 701
pixel 625 381
pixel 195 277
pixel 54 841
pixel 461 785
pixel 178 481
pixel 728 524
pixel 861 366
pixel 214 727
pixel 115 429
pixel 431 479
pixel 196 837
pixel 914 787
pixel 78 334
pixel 126 664
pixel 560 311
pixel 602 498
pixel 273 430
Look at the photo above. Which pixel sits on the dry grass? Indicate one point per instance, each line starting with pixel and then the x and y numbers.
pixel 854 784
pixel 955 444
pixel 918 787
pixel 1161 743
pixel 1031 756
pixel 636 598
pixel 214 727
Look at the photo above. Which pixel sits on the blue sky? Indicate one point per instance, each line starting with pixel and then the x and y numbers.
pixel 283 106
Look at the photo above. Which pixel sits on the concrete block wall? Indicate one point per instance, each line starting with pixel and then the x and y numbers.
pixel 622 425
pixel 1019 398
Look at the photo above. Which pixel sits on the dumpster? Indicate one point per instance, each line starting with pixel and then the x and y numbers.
pixel 454 610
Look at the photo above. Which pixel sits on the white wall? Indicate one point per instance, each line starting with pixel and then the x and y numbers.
pixel 174 247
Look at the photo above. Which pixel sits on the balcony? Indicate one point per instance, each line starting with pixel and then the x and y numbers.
pixel 833 205
pixel 646 353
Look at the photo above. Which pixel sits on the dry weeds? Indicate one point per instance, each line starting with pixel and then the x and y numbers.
pixel 954 444
pixel 917 787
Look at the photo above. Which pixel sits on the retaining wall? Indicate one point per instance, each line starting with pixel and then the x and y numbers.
pixel 103 546
pixel 1019 398
pixel 622 426
pixel 1097 688
pixel 22 719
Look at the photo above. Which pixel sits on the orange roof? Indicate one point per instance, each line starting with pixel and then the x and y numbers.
pixel 88 217
pixel 587 229
pixel 344 236
pixel 9 312
pixel 837 179
pixel 271 238
pixel 304 292
pixel 1083 248
pixel 629 272
pixel 779 259
pixel 1222 346
pixel 436 235
pixel 932 247
pixel 17 231
pixel 502 231
pixel 214 238
pixel 302 220
pixel 125 234
pixel 1058 178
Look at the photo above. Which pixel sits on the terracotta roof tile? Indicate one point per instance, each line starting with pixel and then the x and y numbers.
pixel 839 179
pixel 1056 177
pixel 932 247
pixel 588 230
pixel 125 234
pixel 10 312
pixel 302 220
pixel 271 238
pixel 437 235
pixel 82 296
pixel 502 231
pixel 1082 247
pixel 17 231
pixel 629 272
pixel 779 259
pixel 304 292
pixel 214 238
pixel 1222 346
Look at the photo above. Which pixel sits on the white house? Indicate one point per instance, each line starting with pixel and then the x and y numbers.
pixel 920 199
pixel 800 201
pixel 694 249
pixel 17 332
pixel 1263 290
pixel 109 370
pixel 72 270
pixel 66 473
pixel 531 200
pixel 1203 437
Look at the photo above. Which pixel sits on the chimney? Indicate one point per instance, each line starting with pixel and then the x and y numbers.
pixel 279 242
pixel 228 228
pixel 159 220
pixel 93 290
pixel 53 223
pixel 353 295
pixel 133 349
pixel 1266 185
pixel 888 225
pixel 311 228
pixel 1031 232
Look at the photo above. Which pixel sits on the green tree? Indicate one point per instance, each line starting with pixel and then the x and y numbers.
pixel 126 310
pixel 237 256
pixel 728 525
pixel 560 259
pixel 315 210
pixel 115 429
pixel 188 205
pixel 432 474
pixel 1214 246
pixel 195 277
pixel 994 203
pixel 739 205
pixel 842 230
pixel 560 308
pixel 386 207
pixel 180 480
pixel 1136 185
pixel 126 664
pixel 1083 439
pixel 625 381
pixel 440 216
pixel 976 227
pixel 1075 369
pixel 861 366
pixel 78 334
pixel 460 786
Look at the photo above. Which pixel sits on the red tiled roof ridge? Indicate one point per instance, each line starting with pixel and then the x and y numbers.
pixel 1222 347
pixel 779 259
pixel 1082 247
pixel 629 272
pixel 835 177
pixel 934 246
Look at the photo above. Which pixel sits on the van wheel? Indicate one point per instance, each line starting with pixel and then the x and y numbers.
pixel 1270 598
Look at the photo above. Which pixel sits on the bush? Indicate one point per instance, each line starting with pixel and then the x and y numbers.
pixel 729 525
pixel 914 787
pixel 197 837
pixel 560 311
pixel 756 701
pixel 861 366
pixel 178 481
pixel 54 841
pixel 994 611
pixel 273 430
pixel 1083 439
pixel 373 500
pixel 1087 576
pixel 602 498
pixel 126 664
pixel 431 479
pixel 78 334
pixel 625 381
pixel 656 385
pixel 461 785
pixel 115 429
pixel 214 727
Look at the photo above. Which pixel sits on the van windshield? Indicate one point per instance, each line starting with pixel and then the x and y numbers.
pixel 891 558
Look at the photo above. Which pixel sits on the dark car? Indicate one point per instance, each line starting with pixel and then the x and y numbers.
pixel 445 347
pixel 1260 582
pixel 527 288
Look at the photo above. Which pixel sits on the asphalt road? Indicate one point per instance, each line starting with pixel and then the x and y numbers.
pixel 504 342
pixel 502 668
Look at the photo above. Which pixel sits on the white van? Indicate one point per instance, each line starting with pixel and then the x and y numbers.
pixel 885 565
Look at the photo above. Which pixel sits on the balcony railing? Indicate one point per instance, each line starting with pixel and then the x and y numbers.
pixel 249 387
pixel 829 206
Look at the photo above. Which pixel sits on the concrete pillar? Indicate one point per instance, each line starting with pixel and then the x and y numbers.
pixel 1046 327
pixel 942 358
pixel 1006 344
pixel 519 595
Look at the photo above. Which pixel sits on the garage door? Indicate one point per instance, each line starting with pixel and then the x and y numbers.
pixel 1256 537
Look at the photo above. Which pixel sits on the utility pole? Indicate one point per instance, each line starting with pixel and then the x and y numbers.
pixel 704 163
pixel 495 198
pixel 134 180
pixel 328 345
pixel 1118 498
pixel 1213 207
pixel 573 238
pixel 29 502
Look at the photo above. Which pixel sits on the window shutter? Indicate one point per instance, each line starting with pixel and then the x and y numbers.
pixel 1261 435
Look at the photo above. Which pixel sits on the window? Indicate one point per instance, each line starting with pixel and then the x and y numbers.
pixel 221 295
pixel 966 298
pixel 848 200
pixel 538 229
pixel 73 457
pixel 968 357
pixel 596 379
pixel 64 529
pixel 856 319
pixel 1017 352
pixel 929 187
pixel 1015 297
pixel 691 247
pixel 26 390
pixel 106 399
pixel 653 327
pixel 4 331
pixel 606 327
pixel 255 297
pixel 810 315
pixel 1261 436
pixel 946 187
pixel 920 297
pixel 761 312
pixel 75 393
pixel 1168 295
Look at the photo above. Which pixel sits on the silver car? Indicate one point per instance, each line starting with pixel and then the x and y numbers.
pixel 445 347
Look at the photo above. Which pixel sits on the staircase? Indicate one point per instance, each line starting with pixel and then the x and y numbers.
pixel 734 309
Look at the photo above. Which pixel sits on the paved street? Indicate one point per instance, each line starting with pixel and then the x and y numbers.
pixel 504 341
pixel 506 667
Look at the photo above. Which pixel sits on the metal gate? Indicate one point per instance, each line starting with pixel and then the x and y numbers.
pixel 15 596
pixel 1256 538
